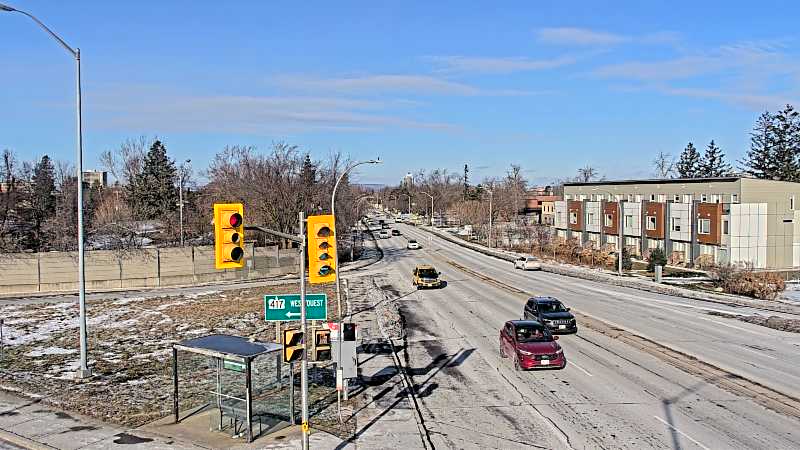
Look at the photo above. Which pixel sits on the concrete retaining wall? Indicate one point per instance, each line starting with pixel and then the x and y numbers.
pixel 22 273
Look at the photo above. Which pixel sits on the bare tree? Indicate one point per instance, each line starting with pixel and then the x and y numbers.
pixel 664 165
pixel 587 174
pixel 126 161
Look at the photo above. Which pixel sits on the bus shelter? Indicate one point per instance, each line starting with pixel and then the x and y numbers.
pixel 240 380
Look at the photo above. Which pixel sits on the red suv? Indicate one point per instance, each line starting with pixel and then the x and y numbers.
pixel 531 345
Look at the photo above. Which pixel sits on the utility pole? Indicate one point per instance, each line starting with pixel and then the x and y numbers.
pixel 431 216
pixel 181 174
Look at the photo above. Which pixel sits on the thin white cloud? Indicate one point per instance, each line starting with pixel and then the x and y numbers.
pixel 578 36
pixel 383 84
pixel 500 65
pixel 751 100
pixel 163 111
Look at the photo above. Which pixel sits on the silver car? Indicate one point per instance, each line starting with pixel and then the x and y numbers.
pixel 527 263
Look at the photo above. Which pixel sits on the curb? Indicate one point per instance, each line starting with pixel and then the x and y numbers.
pixel 21 441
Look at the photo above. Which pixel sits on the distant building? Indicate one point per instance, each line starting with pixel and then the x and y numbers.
pixel 91 177
pixel 541 209
pixel 407 182
pixel 721 220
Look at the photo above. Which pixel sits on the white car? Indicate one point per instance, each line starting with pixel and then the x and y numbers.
pixel 527 263
pixel 413 245
pixel 384 234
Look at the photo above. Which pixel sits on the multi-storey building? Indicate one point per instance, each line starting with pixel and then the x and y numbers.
pixel 731 219
pixel 541 209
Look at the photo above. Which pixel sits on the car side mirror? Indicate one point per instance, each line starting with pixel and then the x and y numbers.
pixel 555 338
pixel 569 309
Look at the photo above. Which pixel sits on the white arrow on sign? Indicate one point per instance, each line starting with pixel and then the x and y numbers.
pixel 291 314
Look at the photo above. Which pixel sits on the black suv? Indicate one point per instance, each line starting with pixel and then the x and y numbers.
pixel 395 232
pixel 552 313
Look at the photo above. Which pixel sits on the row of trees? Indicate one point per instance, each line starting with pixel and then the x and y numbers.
pixel 38 199
pixel 774 153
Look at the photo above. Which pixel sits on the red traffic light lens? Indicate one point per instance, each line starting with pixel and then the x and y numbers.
pixel 235 219
pixel 324 232
pixel 237 253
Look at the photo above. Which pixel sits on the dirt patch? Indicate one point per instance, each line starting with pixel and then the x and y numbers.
pixel 774 322
pixel 130 342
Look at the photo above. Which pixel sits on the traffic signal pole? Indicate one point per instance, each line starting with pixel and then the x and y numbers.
pixel 304 361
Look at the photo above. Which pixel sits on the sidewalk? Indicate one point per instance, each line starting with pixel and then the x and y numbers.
pixel 29 424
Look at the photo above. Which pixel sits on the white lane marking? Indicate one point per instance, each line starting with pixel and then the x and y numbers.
pixel 681 433
pixel 571 363
pixel 755 351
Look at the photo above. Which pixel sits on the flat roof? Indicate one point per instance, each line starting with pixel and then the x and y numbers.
pixel 223 345
pixel 659 181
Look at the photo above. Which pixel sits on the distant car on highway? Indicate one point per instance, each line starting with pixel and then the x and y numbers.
pixel 527 263
pixel 383 234
pixel 395 232
pixel 552 313
pixel 426 276
pixel 413 245
pixel 531 345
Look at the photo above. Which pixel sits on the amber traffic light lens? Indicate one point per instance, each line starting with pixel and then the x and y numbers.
pixel 324 246
pixel 324 256
pixel 235 219
pixel 235 238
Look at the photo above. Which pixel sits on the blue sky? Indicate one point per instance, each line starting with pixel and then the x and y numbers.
pixel 547 85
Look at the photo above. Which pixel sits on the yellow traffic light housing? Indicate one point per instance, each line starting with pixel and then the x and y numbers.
pixel 322 345
pixel 228 235
pixel 321 234
pixel 292 345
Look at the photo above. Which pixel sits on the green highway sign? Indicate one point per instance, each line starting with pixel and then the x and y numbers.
pixel 287 307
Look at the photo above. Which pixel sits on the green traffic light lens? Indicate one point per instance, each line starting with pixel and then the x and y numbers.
pixel 325 270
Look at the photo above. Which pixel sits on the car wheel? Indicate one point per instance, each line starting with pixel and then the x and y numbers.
pixel 517 365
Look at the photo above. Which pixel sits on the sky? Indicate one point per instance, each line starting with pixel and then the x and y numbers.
pixel 550 86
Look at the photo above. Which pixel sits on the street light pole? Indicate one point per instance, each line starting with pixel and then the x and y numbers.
pixel 83 370
pixel 429 195
pixel 339 288
pixel 181 174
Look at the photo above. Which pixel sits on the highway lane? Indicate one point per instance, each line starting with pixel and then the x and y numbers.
pixel 767 356
pixel 609 396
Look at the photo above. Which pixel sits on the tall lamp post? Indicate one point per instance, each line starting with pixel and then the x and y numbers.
pixel 620 228
pixel 338 285
pixel 181 174
pixel 409 202
pixel 83 370
pixel 491 197
pixel 429 195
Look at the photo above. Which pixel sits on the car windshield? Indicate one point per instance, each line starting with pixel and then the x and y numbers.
pixel 427 273
pixel 531 259
pixel 532 333
pixel 412 241
pixel 550 307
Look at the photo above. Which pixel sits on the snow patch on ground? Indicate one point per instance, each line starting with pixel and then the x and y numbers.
pixel 125 301
pixel 50 351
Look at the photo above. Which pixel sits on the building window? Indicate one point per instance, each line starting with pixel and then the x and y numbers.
pixel 791 203
pixel 628 220
pixel 609 220
pixel 590 218
pixel 567 196
pixel 715 198
pixel 573 217
pixel 687 198
pixel 675 224
pixel 704 198
pixel 726 227
pixel 638 198
pixel 662 198
pixel 652 197
pixel 734 198
pixel 630 197
pixel 677 198
pixel 704 226
pixel 651 223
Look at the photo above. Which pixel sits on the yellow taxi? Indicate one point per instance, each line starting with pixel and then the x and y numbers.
pixel 425 276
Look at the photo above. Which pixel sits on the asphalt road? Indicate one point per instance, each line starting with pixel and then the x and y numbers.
pixel 610 395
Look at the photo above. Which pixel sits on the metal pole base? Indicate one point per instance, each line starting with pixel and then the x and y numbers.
pixel 82 374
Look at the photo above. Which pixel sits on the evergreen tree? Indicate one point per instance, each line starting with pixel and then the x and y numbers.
pixel 787 144
pixel 657 258
pixel 759 161
pixel 41 202
pixel 713 163
pixel 688 165
pixel 152 193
